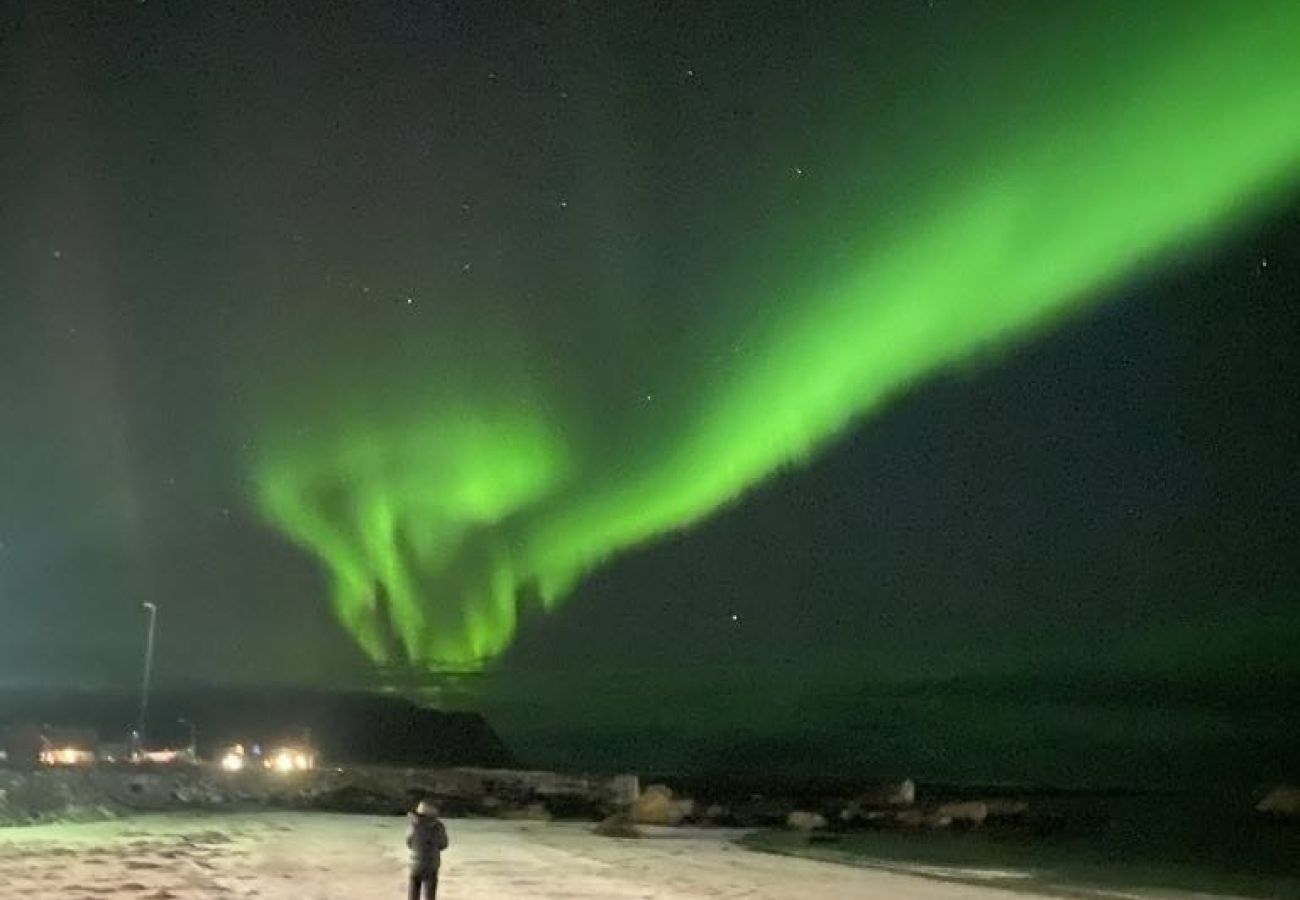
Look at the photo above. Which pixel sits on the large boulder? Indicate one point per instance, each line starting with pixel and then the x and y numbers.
pixel 895 793
pixel 871 806
pixel 1282 801
pixel 658 806
pixel 799 820
pixel 865 818
pixel 892 794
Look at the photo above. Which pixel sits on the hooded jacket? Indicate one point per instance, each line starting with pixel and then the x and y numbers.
pixel 426 841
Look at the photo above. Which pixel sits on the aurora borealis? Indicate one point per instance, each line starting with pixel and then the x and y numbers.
pixel 660 371
pixel 1099 151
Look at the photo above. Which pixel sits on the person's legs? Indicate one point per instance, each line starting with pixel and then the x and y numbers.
pixel 413 891
pixel 431 885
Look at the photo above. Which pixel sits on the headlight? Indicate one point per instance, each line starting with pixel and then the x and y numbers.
pixel 232 762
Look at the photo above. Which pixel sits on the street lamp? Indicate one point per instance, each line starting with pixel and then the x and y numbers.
pixel 148 671
pixel 193 749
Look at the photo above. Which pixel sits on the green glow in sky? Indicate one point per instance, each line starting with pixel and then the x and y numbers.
pixel 1050 174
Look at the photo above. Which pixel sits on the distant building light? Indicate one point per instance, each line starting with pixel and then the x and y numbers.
pixel 290 759
pixel 66 756
pixel 164 757
pixel 233 759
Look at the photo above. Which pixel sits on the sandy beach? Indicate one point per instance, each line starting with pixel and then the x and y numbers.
pixel 332 857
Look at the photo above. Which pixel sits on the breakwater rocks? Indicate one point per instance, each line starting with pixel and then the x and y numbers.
pixel 47 795
pixel 28 798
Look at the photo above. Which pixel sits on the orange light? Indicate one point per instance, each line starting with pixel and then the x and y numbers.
pixel 288 759
pixel 66 756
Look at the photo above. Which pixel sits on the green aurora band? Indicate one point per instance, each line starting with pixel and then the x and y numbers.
pixel 1055 172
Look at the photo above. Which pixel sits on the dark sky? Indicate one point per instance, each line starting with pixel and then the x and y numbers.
pixel 903 385
pixel 1078 563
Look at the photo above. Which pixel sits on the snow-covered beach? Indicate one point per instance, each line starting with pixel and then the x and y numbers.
pixel 288 856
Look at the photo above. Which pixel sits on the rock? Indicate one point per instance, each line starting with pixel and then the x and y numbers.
pixel 901 793
pixel 856 815
pixel 866 807
pixel 655 806
pixel 800 820
pixel 29 797
pixel 617 826
pixel 658 806
pixel 971 814
pixel 1282 801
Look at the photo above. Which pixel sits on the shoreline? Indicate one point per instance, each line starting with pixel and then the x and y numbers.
pixel 1076 866
pixel 284 856
pixel 1101 846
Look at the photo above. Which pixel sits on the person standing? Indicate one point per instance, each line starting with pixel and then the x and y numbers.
pixel 426 840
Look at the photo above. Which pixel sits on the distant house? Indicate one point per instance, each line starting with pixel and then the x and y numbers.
pixel 29 745
pixel 68 746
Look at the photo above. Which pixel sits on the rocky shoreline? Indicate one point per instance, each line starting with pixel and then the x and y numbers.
pixel 36 796
pixel 617 802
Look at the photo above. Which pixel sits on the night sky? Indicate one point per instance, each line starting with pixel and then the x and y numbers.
pixel 893 386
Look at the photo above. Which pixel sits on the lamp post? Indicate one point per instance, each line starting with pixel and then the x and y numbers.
pixel 148 671
pixel 193 748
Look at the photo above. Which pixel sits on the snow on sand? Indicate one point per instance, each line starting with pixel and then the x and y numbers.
pixel 279 856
